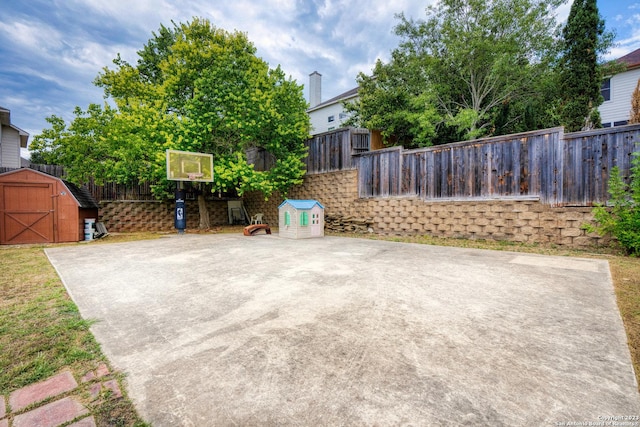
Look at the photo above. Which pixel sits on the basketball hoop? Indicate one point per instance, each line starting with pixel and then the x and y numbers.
pixel 194 176
pixel 187 166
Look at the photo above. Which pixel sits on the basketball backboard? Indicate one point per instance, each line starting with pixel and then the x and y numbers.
pixel 186 166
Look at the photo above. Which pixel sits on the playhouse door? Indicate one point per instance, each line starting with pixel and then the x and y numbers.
pixel 316 225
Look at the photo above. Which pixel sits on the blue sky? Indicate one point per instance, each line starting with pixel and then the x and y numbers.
pixel 51 50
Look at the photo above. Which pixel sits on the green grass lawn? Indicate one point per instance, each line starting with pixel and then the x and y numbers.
pixel 42 332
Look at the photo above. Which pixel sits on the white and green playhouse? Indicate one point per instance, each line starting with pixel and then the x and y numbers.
pixel 301 219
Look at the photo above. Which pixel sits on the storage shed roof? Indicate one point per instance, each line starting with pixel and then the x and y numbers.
pixel 301 204
pixel 81 194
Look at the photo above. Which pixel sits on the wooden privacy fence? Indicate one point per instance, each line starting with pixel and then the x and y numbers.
pixel 588 159
pixel 559 169
pixel 334 151
pixel 53 170
pixel 107 191
pixel 113 191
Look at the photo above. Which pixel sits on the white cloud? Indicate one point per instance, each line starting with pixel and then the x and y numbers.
pixel 562 12
pixel 138 13
pixel 32 35
pixel 57 47
pixel 634 19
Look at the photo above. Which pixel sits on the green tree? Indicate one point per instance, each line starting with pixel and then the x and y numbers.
pixel 396 103
pixel 621 218
pixel 194 88
pixel 109 145
pixel 584 39
pixel 469 59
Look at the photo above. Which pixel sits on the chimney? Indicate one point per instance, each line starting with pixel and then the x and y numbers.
pixel 315 89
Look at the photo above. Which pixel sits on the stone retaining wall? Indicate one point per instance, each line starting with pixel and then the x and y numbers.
pixel 150 215
pixel 511 220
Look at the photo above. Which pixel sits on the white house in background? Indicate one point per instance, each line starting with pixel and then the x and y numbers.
pixel 328 115
pixel 11 139
pixel 617 91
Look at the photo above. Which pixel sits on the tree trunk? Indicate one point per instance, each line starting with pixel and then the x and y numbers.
pixel 205 224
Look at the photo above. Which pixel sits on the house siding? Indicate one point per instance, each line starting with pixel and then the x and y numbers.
pixel 9 148
pixel 319 118
pixel 618 107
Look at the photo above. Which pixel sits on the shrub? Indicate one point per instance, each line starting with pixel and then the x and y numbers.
pixel 621 217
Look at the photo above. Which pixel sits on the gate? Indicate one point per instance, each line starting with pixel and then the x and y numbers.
pixel 26 213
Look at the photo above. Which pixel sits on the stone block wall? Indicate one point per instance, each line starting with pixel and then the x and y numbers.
pixel 150 215
pixel 511 220
pixel 337 191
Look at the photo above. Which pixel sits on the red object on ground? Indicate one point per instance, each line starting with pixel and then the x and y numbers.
pixel 33 393
pixel 252 229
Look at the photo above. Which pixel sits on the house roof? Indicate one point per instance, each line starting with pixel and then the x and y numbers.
pixel 343 96
pixel 301 204
pixel 24 136
pixel 632 60
pixel 5 119
pixel 5 116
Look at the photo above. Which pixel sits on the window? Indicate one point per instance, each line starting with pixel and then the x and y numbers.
pixel 343 116
pixel 287 218
pixel 331 119
pixel 304 218
pixel 315 219
pixel 605 89
pixel 621 123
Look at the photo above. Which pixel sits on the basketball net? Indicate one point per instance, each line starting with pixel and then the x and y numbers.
pixel 194 176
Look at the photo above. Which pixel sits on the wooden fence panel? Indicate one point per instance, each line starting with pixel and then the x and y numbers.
pixel 486 171
pixel 550 154
pixel 113 191
pixel 443 172
pixel 522 165
pixel 588 158
pixel 559 169
pixel 53 170
pixel 380 173
pixel 411 174
pixel 334 151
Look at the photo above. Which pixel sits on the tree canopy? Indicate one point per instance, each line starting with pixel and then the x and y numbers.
pixel 454 73
pixel 195 88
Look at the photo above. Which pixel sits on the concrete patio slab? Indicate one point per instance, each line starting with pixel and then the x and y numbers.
pixel 234 330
